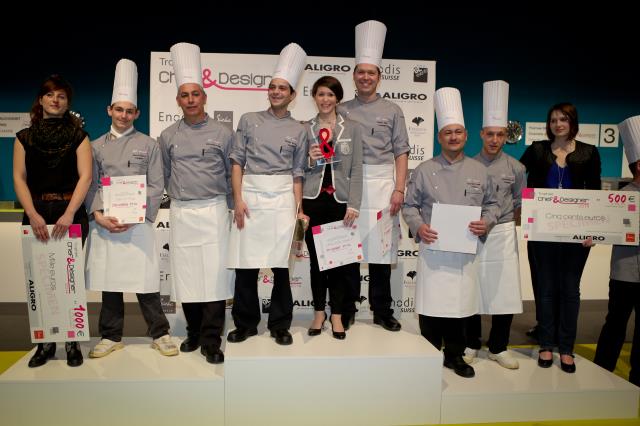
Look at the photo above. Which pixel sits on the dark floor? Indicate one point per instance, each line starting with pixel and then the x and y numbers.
pixel 14 323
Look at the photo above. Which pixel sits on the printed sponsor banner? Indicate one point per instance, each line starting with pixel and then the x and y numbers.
pixel 54 278
pixel 237 83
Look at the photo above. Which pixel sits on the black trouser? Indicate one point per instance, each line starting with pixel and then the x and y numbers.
pixel 559 269
pixel 205 321
pixel 498 337
pixel 379 290
pixel 450 330
pixel 111 322
pixel 321 210
pixel 624 297
pixel 532 270
pixel 246 306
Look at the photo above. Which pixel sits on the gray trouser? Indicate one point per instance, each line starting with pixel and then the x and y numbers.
pixel 111 323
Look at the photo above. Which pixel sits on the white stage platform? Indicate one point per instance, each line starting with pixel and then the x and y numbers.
pixel 374 377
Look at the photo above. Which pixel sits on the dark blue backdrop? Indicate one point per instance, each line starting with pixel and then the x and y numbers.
pixel 549 54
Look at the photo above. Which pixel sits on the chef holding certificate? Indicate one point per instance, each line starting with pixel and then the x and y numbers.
pixel 498 266
pixel 446 287
pixel 122 256
pixel 269 155
pixel 195 154
pixel 332 192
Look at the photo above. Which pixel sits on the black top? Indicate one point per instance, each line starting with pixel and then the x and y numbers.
pixel 50 155
pixel 583 163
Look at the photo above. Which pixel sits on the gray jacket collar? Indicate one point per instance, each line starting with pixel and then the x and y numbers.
pixel 339 127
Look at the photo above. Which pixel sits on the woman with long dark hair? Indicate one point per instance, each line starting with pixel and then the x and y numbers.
pixel 51 175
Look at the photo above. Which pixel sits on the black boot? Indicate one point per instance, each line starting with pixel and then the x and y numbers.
pixel 44 353
pixel 74 355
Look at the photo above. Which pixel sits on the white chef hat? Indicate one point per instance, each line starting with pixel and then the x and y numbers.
pixel 495 103
pixel 186 63
pixel 290 64
pixel 630 133
pixel 125 83
pixel 370 37
pixel 448 107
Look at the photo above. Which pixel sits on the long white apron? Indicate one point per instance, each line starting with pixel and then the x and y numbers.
pixel 265 241
pixel 198 247
pixel 126 262
pixel 378 185
pixel 499 272
pixel 446 284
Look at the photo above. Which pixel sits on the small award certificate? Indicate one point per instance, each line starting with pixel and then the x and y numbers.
pixel 54 278
pixel 336 244
pixel 451 222
pixel 125 198
pixel 573 215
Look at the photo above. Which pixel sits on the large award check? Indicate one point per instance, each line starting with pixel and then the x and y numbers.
pixel 336 244
pixel 54 278
pixel 125 197
pixel 567 215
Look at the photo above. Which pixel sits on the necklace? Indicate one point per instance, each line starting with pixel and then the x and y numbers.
pixel 560 176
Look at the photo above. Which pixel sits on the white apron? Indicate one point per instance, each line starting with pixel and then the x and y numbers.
pixel 378 185
pixel 446 284
pixel 126 262
pixel 198 247
pixel 499 272
pixel 265 241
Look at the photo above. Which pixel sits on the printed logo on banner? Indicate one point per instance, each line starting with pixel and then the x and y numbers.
pixel 225 118
pixel 391 72
pixel 296 281
pixel 416 153
pixel 405 97
pixel 417 120
pixel 303 304
pixel 364 279
pixel 404 305
pixel 265 279
pixel 420 74
pixel 232 81
pixel 266 306
pixel 327 68
pixel 407 253
pixel 410 279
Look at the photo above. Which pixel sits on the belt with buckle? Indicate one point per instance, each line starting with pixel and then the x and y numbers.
pixel 53 196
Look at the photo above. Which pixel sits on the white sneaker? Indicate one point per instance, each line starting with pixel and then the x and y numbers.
pixel 165 345
pixel 469 355
pixel 104 348
pixel 505 359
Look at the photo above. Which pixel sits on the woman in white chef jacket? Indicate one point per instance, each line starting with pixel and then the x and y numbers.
pixel 124 257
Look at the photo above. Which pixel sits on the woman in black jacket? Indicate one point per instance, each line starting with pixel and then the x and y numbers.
pixel 560 162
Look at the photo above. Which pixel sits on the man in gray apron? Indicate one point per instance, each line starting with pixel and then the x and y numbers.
pixel 385 145
pixel 195 153
pixel 624 283
pixel 269 155
pixel 123 257
pixel 498 265
pixel 446 287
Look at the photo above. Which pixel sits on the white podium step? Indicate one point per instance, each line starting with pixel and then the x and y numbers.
pixel 532 393
pixel 374 377
pixel 135 385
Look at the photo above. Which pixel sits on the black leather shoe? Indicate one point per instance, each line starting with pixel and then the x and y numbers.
pixel 340 335
pixel 388 323
pixel 241 334
pixel 190 344
pixel 283 337
pixel 460 367
pixel 317 331
pixel 212 353
pixel 568 368
pixel 74 354
pixel 44 353
pixel 545 363
pixel 348 320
